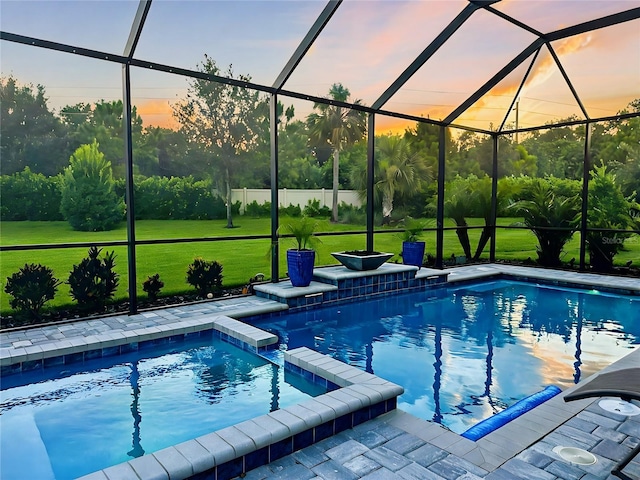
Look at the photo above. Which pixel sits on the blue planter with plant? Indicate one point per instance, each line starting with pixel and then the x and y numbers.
pixel 412 247
pixel 300 260
pixel 413 253
pixel 300 264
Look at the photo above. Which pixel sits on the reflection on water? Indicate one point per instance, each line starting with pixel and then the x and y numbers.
pixel 466 353
pixel 138 404
pixel 137 450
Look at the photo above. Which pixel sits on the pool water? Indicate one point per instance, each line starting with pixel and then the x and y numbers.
pixel 465 353
pixel 88 416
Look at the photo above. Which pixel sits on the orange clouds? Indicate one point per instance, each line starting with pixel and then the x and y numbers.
pixel 156 113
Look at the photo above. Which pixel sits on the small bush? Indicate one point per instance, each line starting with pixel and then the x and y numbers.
pixel 351 214
pixel 313 209
pixel 93 282
pixel 152 286
pixel 256 211
pixel 205 276
pixel 291 211
pixel 31 287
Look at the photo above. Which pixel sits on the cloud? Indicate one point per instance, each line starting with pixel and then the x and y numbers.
pixel 157 113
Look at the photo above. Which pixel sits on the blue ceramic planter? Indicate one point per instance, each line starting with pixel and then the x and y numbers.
pixel 413 253
pixel 300 264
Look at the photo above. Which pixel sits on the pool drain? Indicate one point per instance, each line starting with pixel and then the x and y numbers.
pixel 575 455
pixel 619 406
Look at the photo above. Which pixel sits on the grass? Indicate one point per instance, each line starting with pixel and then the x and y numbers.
pixel 241 260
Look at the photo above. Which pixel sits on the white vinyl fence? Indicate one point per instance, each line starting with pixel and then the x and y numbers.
pixel 288 197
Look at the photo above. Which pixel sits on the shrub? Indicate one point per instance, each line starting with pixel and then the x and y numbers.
pixel 89 202
pixel 313 209
pixel 351 214
pixel 205 276
pixel 30 196
pixel 256 211
pixel 291 211
pixel 152 286
pixel 93 282
pixel 608 209
pixel 31 287
pixel 551 217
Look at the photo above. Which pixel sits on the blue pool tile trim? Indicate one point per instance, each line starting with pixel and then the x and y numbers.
pixel 340 285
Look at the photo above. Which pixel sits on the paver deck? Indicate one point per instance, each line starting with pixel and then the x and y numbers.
pixel 397 444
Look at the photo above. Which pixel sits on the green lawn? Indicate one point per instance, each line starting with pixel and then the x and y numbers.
pixel 241 259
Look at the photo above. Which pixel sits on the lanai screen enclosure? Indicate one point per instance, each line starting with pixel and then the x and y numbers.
pixel 241 94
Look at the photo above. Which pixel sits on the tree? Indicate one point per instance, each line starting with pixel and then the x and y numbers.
pixel 480 199
pixel 335 127
pixel 399 171
pixel 559 151
pixel 104 123
pixel 457 207
pixel 31 134
pixel 173 153
pixel 89 202
pixel 298 168
pixel 463 161
pixel 551 217
pixel 226 120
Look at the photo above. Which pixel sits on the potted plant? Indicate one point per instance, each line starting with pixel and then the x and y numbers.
pixel 412 247
pixel 300 260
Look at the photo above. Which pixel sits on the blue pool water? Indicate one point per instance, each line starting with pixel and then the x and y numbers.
pixel 91 415
pixel 465 353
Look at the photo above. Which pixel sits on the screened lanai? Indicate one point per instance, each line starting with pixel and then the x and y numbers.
pixel 215 117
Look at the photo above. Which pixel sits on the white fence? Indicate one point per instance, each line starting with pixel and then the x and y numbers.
pixel 288 197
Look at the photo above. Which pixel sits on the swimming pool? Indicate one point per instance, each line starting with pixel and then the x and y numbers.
pixel 467 352
pixel 71 420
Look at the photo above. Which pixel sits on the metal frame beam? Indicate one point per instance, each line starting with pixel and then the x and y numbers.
pixel 520 87
pixel 440 197
pixel 307 41
pixel 494 196
pixel 371 140
pixel 136 27
pixel 497 78
pixel 85 52
pixel 275 201
pixel 129 190
pixel 566 79
pixel 602 22
pixel 426 54
pixel 586 168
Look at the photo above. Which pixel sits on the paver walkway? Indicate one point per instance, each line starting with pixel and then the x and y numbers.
pixel 383 449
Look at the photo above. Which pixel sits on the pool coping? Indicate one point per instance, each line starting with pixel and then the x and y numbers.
pixel 232 451
pixel 74 350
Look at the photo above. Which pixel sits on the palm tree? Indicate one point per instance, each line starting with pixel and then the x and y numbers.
pixel 336 127
pixel 551 218
pixel 457 207
pixel 399 171
pixel 481 204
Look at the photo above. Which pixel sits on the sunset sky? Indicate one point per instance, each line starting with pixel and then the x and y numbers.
pixel 366 46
